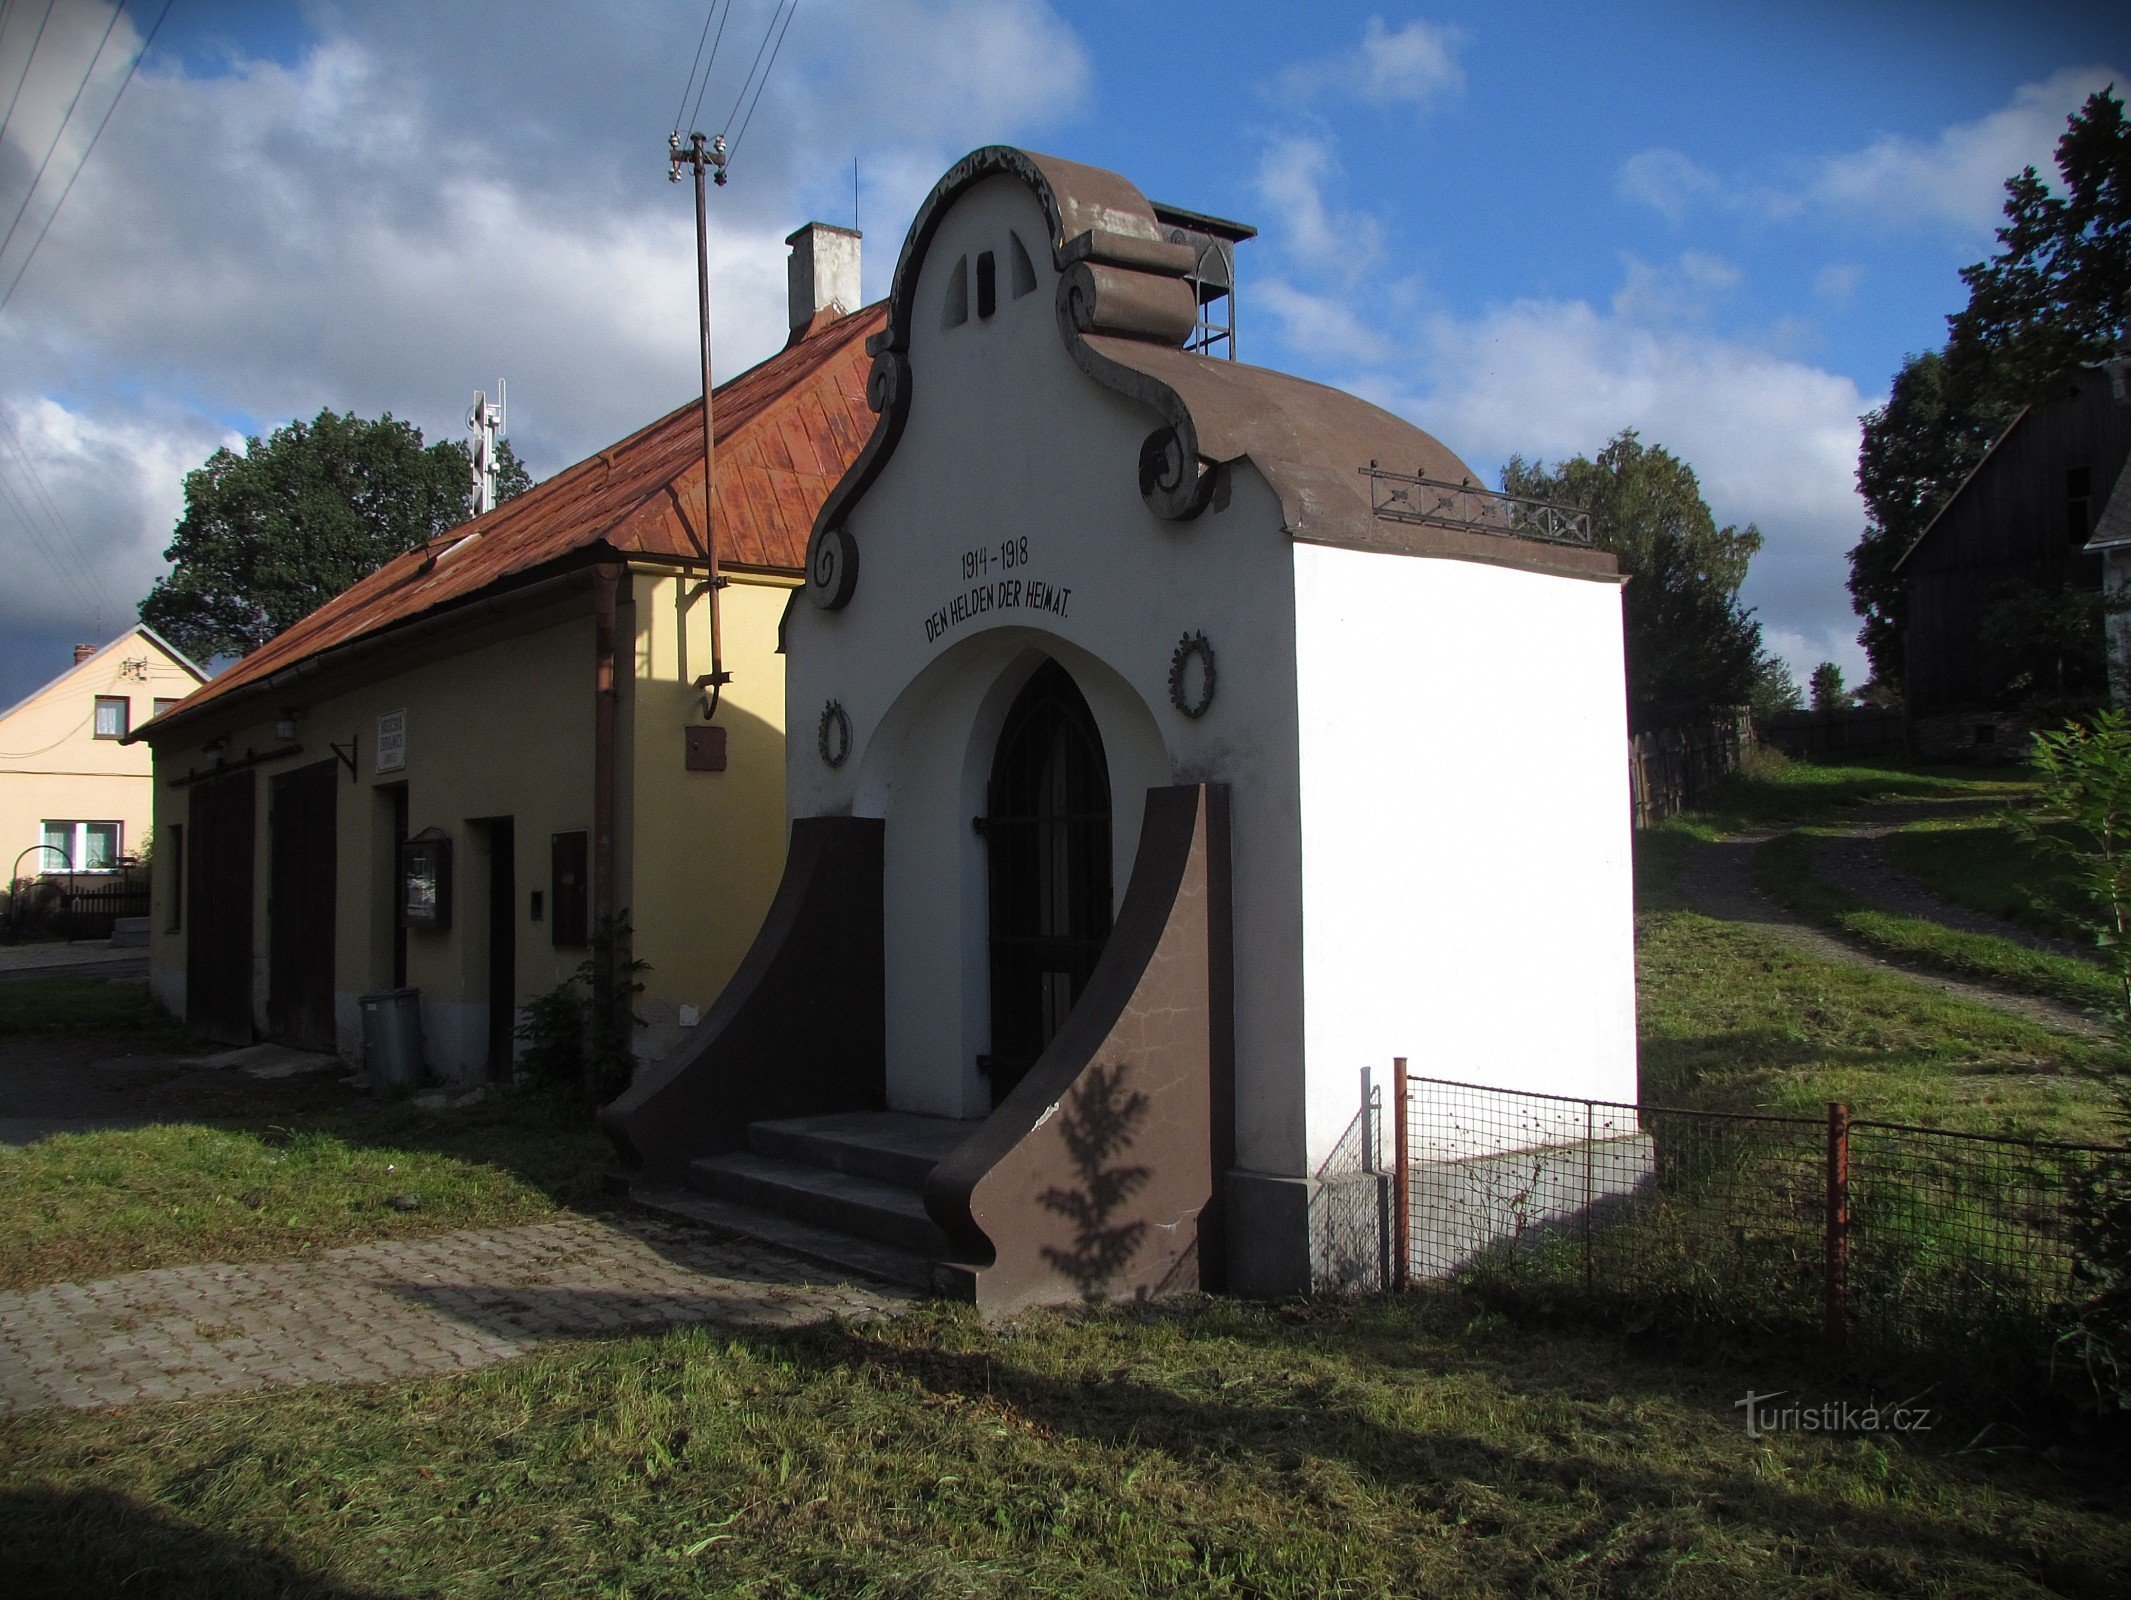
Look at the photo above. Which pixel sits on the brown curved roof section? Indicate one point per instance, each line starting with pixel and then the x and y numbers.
pixel 1123 312
pixel 787 430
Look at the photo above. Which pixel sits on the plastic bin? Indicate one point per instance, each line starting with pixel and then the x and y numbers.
pixel 392 1039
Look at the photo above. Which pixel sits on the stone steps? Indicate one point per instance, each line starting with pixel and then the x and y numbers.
pixel 845 1189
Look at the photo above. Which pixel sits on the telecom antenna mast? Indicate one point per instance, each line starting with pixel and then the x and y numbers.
pixel 485 422
pixel 705 155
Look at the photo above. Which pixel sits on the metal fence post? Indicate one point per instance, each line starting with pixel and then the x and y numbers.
pixel 1838 1220
pixel 1401 1180
pixel 1590 1156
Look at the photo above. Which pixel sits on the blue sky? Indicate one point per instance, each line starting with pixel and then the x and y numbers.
pixel 1523 226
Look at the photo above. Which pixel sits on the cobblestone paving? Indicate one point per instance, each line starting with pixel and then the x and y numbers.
pixel 396 1310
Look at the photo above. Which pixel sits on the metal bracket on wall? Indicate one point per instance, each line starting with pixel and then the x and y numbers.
pixel 347 757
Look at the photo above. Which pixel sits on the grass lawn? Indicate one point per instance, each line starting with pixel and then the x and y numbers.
pixel 89 1205
pixel 1783 869
pixel 1413 1447
pixel 73 1005
pixel 1733 1021
pixel 1984 865
pixel 239 1169
pixel 1774 788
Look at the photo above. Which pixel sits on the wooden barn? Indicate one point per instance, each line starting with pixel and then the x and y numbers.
pixel 1978 578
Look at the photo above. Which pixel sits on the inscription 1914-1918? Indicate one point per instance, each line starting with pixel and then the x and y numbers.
pixel 1007 594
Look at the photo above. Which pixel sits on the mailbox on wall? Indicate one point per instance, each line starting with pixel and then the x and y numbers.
pixel 425 880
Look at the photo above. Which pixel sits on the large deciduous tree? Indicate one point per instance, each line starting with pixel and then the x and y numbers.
pixel 1693 650
pixel 270 535
pixel 2055 296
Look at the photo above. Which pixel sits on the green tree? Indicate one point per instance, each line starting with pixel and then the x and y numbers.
pixel 1828 692
pixel 2056 295
pixel 1775 690
pixel 270 535
pixel 1916 450
pixel 1693 650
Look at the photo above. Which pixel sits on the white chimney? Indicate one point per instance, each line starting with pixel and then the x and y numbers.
pixel 823 271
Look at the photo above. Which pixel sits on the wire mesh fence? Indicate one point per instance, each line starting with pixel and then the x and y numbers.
pixel 1876 1236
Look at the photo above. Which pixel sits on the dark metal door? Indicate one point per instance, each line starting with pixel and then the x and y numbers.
pixel 218 895
pixel 300 910
pixel 502 943
pixel 1047 832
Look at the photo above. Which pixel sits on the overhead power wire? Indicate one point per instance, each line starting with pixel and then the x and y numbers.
pixel 90 587
pixel 52 215
pixel 747 83
pixel 766 71
pixel 681 110
pixel 59 132
pixel 67 575
pixel 696 112
pixel 15 93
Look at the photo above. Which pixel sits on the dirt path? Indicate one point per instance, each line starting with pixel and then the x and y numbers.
pixel 1718 882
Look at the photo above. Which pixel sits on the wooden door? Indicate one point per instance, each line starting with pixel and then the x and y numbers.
pixel 1047 838
pixel 502 943
pixel 300 909
pixel 218 934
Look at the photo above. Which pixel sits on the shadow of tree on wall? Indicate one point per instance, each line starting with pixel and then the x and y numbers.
pixel 1099 1123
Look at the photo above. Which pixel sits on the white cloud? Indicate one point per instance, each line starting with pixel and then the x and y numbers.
pixel 1772 439
pixel 1416 65
pixel 1837 281
pixel 1293 177
pixel 1956 177
pixel 1322 328
pixel 1666 181
pixel 419 200
pixel 1959 176
pixel 1679 290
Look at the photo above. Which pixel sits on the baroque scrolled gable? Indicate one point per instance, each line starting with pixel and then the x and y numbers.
pixel 1119 279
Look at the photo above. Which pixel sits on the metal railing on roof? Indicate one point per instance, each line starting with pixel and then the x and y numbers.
pixel 1433 502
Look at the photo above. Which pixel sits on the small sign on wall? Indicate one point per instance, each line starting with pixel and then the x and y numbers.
pixel 392 741
pixel 705 749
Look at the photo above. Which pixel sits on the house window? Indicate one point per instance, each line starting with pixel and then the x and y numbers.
pixel 987 284
pixel 111 714
pixel 81 846
pixel 162 705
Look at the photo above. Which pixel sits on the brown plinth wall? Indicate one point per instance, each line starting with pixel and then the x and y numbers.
pixel 800 1029
pixel 1099 1176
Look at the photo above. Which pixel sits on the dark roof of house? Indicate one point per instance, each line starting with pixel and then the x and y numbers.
pixel 786 430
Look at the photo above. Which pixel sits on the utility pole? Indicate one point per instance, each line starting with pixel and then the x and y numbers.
pixel 701 155
pixel 484 422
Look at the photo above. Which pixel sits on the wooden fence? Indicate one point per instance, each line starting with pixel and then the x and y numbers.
pixel 1814 733
pixel 1669 768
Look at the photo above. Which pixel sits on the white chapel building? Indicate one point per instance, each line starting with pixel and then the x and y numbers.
pixel 1170 741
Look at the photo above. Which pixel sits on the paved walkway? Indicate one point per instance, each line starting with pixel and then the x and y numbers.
pixel 405 1309
pixel 93 958
pixel 1719 883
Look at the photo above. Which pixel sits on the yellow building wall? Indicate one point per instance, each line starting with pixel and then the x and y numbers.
pixel 52 765
pixel 502 724
pixel 498 728
pixel 702 851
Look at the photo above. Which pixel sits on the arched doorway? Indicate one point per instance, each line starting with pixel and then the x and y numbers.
pixel 1047 838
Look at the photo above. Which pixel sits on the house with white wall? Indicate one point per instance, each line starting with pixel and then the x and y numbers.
pixel 1171 740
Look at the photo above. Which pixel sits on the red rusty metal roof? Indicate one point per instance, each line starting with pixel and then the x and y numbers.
pixel 786 431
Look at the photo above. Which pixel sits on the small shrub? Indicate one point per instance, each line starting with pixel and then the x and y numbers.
pixel 577 1036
